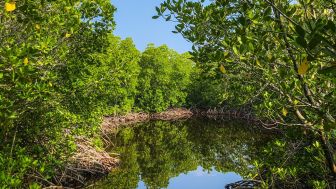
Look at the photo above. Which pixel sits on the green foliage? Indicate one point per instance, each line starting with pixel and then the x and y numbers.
pixel 207 88
pixel 106 84
pixel 10 175
pixel 61 70
pixel 278 56
pixel 164 79
pixel 300 165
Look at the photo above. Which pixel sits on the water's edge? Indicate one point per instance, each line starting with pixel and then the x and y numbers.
pixel 99 162
pixel 154 152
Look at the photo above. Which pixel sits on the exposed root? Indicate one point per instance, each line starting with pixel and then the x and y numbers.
pixel 111 124
pixel 172 114
pixel 241 113
pixel 89 159
pixel 243 184
pixel 86 163
pixel 244 113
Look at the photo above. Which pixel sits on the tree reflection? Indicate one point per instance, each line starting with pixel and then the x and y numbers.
pixel 155 152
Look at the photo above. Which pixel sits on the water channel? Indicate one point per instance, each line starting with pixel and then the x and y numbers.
pixel 190 154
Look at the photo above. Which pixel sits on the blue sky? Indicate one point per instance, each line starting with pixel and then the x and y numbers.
pixel 134 19
pixel 200 179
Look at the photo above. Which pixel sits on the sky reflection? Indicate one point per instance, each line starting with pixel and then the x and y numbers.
pixel 200 179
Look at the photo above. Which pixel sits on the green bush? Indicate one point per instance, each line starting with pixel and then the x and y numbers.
pixel 47 49
pixel 207 88
pixel 164 79
pixel 117 77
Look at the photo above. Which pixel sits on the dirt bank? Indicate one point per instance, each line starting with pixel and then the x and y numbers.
pixel 110 123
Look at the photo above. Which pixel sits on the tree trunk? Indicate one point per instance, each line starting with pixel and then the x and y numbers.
pixel 328 153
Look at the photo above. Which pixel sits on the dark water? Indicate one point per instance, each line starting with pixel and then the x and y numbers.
pixel 185 154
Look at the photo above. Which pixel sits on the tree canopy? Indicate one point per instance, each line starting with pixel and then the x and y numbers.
pixel 164 79
pixel 277 55
pixel 62 70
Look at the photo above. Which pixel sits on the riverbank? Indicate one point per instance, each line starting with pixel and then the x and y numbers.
pixel 91 162
pixel 110 123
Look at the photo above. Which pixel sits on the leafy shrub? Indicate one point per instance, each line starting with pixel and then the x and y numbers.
pixel 44 56
pixel 164 79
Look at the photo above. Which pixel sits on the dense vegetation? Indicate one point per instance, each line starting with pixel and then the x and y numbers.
pixel 163 80
pixel 61 71
pixel 278 56
pixel 44 60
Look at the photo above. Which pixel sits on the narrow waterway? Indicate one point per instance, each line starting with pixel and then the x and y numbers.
pixel 190 154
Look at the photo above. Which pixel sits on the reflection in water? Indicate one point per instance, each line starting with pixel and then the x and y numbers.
pixel 181 154
pixel 201 179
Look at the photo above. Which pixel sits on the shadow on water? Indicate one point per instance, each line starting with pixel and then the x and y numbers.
pixel 184 154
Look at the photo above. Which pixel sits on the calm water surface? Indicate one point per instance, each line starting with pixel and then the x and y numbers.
pixel 188 154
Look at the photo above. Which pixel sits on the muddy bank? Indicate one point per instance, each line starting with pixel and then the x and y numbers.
pixel 242 113
pixel 110 123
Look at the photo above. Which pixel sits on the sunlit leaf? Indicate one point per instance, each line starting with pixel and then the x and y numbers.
pixel 9 7
pixel 26 61
pixel 303 67
pixel 67 35
pixel 296 102
pixel 235 50
pixel 269 56
pixel 37 27
pixel 284 111
pixel 222 69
